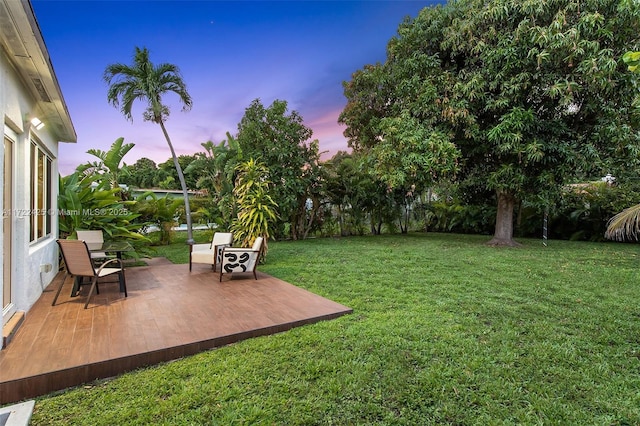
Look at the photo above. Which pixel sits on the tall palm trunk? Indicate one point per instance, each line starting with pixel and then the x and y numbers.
pixel 183 184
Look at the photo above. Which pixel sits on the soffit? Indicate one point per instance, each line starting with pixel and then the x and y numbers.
pixel 22 40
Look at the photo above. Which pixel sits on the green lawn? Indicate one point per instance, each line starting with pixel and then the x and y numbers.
pixel 445 331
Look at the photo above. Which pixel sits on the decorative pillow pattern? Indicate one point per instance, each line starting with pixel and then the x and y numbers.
pixel 238 261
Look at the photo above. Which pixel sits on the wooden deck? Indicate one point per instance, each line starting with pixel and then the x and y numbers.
pixel 170 313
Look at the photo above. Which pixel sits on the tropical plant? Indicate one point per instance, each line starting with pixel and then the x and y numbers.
pixel 626 224
pixel 108 167
pixel 148 82
pixel 86 203
pixel 632 59
pixel 256 208
pixel 361 198
pixel 343 184
pixel 159 211
pixel 215 169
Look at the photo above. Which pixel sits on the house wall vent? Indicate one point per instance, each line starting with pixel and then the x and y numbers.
pixel 40 88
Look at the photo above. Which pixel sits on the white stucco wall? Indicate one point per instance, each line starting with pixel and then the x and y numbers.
pixel 16 108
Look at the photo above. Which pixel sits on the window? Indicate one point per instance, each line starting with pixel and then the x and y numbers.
pixel 41 181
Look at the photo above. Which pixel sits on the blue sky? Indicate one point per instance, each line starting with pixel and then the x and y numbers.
pixel 229 53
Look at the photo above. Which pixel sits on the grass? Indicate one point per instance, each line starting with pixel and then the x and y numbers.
pixel 445 331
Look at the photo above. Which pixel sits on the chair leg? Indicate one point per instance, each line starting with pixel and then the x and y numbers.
pixel 93 286
pixel 124 283
pixel 82 283
pixel 59 288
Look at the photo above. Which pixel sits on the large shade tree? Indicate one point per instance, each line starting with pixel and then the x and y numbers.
pixel 142 174
pixel 147 82
pixel 531 92
pixel 280 140
pixel 169 172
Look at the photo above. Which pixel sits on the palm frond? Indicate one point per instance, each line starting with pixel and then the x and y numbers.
pixel 624 225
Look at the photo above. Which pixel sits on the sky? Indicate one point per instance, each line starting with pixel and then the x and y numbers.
pixel 228 52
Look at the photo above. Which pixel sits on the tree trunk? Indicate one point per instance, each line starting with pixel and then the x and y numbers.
pixel 187 208
pixel 341 221
pixel 405 219
pixel 503 235
pixel 315 207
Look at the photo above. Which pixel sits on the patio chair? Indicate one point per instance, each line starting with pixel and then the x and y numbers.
pixel 78 263
pixel 210 252
pixel 236 259
pixel 93 237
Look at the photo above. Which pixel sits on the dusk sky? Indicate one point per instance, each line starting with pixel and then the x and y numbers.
pixel 229 53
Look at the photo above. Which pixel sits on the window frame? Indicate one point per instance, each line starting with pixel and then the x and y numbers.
pixel 41 192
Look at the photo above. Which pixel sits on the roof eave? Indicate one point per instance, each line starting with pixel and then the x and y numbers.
pixel 21 36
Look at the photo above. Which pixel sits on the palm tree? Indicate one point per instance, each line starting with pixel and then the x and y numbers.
pixel 216 168
pixel 626 224
pixel 147 82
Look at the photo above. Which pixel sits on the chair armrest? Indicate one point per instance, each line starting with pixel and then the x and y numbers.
pixel 222 246
pixel 239 250
pixel 200 247
pixel 116 260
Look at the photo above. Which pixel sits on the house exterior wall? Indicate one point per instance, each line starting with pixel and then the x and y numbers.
pixel 17 106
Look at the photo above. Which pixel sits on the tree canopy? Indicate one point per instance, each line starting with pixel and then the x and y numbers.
pixel 531 93
pixel 143 173
pixel 280 140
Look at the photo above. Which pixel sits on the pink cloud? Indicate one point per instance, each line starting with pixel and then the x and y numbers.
pixel 328 132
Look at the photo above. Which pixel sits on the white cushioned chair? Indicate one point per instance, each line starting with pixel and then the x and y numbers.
pixel 210 253
pixel 92 237
pixel 237 259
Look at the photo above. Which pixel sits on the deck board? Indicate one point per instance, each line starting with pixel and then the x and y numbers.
pixel 170 313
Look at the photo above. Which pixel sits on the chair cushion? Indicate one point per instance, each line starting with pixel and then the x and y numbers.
pixel 90 236
pixel 108 271
pixel 222 238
